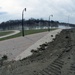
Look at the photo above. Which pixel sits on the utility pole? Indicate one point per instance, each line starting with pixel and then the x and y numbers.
pixel 49 22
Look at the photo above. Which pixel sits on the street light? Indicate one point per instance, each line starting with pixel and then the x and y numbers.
pixel 49 22
pixel 22 21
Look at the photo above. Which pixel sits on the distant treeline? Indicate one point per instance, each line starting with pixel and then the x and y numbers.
pixel 67 24
pixel 13 24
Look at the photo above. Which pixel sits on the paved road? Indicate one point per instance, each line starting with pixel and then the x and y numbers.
pixel 46 38
pixel 18 48
pixel 15 32
pixel 13 47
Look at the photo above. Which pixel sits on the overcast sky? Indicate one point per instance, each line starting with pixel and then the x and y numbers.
pixel 60 9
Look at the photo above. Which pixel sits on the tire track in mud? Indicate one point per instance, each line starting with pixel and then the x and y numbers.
pixel 55 68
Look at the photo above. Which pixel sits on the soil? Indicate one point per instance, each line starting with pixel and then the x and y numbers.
pixel 53 58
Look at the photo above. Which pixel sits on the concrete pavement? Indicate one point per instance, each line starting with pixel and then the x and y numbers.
pixel 15 32
pixel 19 48
pixel 46 38
pixel 14 47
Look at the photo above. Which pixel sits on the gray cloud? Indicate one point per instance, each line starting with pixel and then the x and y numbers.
pixel 61 9
pixel 0 7
pixel 2 13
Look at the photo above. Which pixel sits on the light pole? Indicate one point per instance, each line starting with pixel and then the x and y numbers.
pixel 22 21
pixel 68 21
pixel 49 22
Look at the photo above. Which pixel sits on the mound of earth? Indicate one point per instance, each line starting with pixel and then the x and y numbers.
pixel 53 58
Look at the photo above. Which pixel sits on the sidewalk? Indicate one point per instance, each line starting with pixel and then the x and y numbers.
pixel 18 48
pixel 14 47
pixel 46 38
pixel 15 32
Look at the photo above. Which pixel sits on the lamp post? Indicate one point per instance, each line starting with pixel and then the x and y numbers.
pixel 49 22
pixel 68 21
pixel 22 21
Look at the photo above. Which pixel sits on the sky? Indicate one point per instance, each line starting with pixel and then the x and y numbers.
pixel 62 10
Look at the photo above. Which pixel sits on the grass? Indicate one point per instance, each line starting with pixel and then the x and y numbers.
pixel 26 32
pixel 2 33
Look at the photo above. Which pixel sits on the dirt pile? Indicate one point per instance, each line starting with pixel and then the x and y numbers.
pixel 53 58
